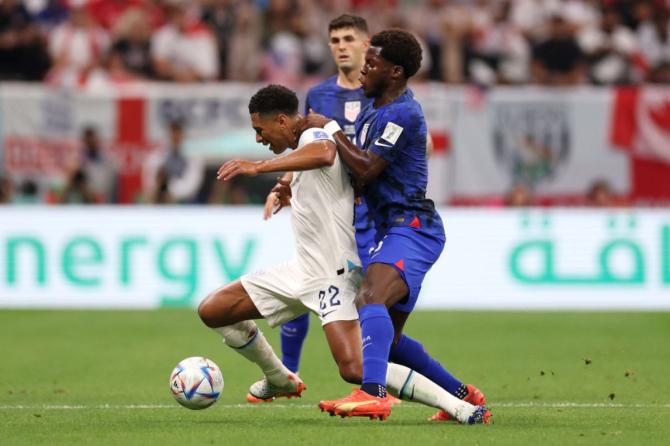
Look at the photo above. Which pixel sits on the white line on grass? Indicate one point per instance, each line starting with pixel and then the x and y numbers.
pixel 555 405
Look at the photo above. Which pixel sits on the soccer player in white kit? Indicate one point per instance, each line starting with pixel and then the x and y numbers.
pixel 323 276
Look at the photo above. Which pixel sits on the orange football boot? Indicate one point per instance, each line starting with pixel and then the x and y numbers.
pixel 359 404
pixel 329 405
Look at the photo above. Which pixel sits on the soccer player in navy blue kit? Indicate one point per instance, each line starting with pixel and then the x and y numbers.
pixel 341 98
pixel 389 158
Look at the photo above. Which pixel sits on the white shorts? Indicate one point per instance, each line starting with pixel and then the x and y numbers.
pixel 284 292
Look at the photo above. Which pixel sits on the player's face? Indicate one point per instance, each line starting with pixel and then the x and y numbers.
pixel 270 131
pixel 348 46
pixel 375 73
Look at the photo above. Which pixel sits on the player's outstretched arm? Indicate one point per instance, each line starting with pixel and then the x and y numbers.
pixel 365 166
pixel 311 156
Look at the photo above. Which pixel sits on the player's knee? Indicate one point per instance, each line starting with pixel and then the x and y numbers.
pixel 368 295
pixel 351 371
pixel 210 313
pixel 205 313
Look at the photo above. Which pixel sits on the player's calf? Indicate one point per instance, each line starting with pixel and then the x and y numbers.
pixel 227 311
pixel 292 336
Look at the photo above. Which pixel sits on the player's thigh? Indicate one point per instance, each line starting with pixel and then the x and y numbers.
pixel 228 305
pixel 382 284
pixel 275 292
pixel 344 340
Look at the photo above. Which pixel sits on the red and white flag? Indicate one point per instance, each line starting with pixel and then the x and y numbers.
pixel 640 125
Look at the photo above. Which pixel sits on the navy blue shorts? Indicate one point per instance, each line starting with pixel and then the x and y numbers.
pixel 412 252
pixel 365 242
pixel 365 233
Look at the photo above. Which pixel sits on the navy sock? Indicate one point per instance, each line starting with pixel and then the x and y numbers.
pixel 410 353
pixel 377 330
pixel 374 389
pixel 293 334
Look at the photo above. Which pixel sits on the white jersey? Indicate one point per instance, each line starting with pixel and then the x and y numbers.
pixel 325 274
pixel 323 215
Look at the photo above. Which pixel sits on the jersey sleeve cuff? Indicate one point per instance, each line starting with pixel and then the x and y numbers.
pixel 385 154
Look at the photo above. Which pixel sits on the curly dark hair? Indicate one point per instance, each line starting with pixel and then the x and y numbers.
pixel 274 99
pixel 349 21
pixel 400 48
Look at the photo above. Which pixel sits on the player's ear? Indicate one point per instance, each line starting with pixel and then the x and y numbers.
pixel 397 72
pixel 281 119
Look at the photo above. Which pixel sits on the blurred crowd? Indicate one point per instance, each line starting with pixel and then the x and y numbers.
pixel 170 177
pixel 96 43
pixel 167 176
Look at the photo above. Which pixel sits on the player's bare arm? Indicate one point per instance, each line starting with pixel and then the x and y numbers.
pixel 365 166
pixel 315 155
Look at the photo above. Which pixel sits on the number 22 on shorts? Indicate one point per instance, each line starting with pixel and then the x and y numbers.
pixel 328 298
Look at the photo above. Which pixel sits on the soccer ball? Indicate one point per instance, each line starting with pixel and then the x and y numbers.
pixel 196 382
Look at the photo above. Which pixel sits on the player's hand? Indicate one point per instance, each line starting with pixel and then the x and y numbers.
pixel 272 205
pixel 278 198
pixel 313 120
pixel 236 167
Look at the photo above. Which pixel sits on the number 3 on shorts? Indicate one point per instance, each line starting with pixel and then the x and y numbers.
pixel 329 298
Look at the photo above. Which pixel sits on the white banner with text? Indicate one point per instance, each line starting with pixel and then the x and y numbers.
pixel 144 257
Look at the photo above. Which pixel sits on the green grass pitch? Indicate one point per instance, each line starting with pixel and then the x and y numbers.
pixel 101 377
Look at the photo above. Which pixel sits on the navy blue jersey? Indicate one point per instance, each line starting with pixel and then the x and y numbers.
pixel 338 103
pixel 397 132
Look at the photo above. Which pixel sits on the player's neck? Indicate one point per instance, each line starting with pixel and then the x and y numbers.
pixel 390 95
pixel 294 132
pixel 348 79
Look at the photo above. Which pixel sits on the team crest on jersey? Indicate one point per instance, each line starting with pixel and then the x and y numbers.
pixel 351 110
pixel 364 133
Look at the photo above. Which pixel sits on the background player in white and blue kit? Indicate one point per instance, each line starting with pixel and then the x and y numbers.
pixel 341 98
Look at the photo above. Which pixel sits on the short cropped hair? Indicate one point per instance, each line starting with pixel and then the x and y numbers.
pixel 400 48
pixel 274 99
pixel 348 21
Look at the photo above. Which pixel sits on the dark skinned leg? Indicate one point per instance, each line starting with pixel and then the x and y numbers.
pixel 382 284
pixel 228 305
pixel 229 311
pixel 398 318
pixel 381 288
pixel 344 340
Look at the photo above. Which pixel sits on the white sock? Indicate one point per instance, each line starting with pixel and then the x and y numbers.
pixel 247 340
pixel 412 386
